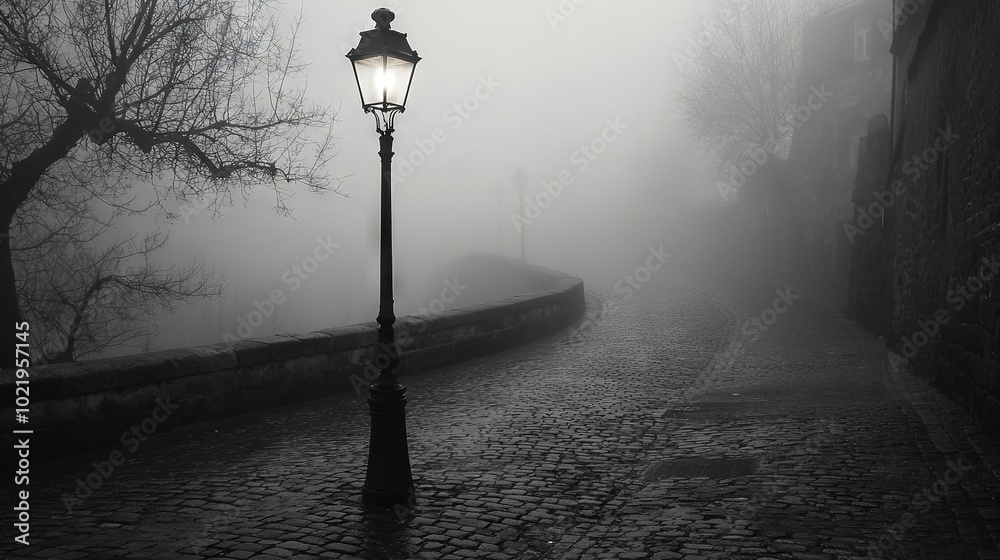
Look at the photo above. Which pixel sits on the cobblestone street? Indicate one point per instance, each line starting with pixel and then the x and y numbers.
pixel 675 427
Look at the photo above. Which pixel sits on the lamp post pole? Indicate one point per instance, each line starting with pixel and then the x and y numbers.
pixel 389 480
pixel 520 204
pixel 520 185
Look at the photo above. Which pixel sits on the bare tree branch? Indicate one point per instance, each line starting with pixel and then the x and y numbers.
pixel 85 295
pixel 136 104
pixel 740 92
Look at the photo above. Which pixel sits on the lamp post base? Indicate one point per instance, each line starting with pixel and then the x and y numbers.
pixel 389 481
pixel 386 499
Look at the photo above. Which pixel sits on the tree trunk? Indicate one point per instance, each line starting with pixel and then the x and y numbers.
pixel 14 190
pixel 11 311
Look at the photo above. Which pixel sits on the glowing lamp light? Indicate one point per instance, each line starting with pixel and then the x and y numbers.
pixel 383 65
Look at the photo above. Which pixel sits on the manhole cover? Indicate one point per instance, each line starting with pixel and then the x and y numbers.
pixel 711 468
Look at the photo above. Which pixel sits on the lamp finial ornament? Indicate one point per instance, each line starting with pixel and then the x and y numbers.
pixel 383 17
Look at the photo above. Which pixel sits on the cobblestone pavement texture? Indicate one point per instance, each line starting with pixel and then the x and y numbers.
pixel 670 429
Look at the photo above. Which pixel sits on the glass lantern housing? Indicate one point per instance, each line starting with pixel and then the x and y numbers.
pixel 383 65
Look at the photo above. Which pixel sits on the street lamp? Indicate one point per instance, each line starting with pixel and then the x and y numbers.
pixel 383 67
pixel 520 185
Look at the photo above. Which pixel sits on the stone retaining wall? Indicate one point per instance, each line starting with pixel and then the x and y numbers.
pixel 82 405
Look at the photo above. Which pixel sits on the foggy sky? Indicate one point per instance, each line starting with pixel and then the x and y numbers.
pixel 549 76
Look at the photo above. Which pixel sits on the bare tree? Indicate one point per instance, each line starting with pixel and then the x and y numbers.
pixel 740 100
pixel 740 91
pixel 86 288
pixel 83 300
pixel 187 97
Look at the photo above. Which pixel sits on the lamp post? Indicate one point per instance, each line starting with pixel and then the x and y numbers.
pixel 520 185
pixel 383 67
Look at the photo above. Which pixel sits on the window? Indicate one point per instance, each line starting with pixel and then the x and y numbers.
pixel 862 38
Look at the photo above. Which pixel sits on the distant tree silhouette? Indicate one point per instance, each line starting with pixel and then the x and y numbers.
pixel 167 99
pixel 741 92
pixel 740 88
pixel 86 288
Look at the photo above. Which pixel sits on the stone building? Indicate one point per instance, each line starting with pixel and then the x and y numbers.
pixel 926 268
pixel 845 57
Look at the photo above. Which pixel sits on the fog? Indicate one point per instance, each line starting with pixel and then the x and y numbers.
pixel 502 87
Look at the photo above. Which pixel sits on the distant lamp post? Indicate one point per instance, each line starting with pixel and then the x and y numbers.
pixel 383 67
pixel 521 186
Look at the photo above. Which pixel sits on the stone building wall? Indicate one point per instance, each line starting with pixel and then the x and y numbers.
pixel 937 248
pixel 845 56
